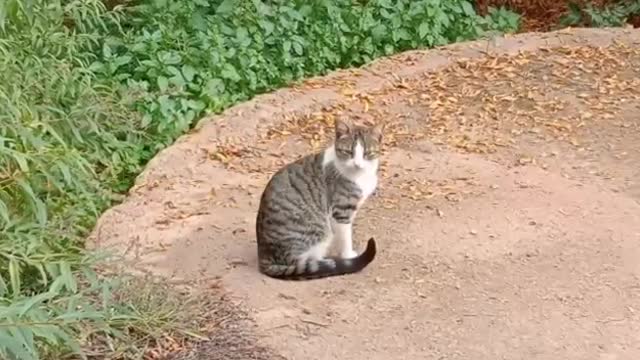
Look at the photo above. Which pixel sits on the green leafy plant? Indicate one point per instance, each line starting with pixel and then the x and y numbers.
pixel 503 20
pixel 193 57
pixel 612 15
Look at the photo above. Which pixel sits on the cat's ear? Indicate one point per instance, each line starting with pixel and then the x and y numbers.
pixel 343 127
pixel 378 130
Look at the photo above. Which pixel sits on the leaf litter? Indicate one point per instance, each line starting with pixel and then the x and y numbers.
pixel 479 106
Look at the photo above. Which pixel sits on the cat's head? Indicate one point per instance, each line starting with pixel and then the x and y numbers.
pixel 358 146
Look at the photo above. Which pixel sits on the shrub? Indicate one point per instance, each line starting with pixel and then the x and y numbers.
pixel 195 56
pixel 611 15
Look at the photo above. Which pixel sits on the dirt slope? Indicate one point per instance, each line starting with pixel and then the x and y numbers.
pixel 508 215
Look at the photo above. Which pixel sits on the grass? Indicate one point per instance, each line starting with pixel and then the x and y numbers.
pixel 66 141
pixel 89 95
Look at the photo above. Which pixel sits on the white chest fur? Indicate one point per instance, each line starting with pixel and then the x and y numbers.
pixel 367 182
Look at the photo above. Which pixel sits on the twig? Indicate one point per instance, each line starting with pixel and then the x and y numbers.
pixel 314 323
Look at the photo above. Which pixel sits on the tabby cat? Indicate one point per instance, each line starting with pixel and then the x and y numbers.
pixel 313 201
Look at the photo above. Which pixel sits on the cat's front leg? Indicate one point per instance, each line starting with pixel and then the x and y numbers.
pixel 341 223
pixel 343 237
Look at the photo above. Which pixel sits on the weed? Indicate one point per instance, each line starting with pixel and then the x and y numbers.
pixel 612 15
pixel 502 20
pixel 193 57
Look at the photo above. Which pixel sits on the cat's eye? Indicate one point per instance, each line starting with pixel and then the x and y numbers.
pixel 370 154
pixel 344 151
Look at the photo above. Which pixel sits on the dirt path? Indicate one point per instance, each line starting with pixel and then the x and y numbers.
pixel 508 216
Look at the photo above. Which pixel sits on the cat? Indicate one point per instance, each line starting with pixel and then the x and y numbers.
pixel 313 201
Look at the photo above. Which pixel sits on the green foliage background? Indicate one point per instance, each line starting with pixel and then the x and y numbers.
pixel 612 15
pixel 88 96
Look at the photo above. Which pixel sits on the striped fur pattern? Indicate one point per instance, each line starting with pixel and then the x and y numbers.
pixel 311 203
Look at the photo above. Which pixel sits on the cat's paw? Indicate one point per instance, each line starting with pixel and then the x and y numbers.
pixel 349 254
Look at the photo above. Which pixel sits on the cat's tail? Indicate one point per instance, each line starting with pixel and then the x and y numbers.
pixel 316 269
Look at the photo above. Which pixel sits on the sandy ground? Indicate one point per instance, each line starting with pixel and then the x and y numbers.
pixel 507 218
